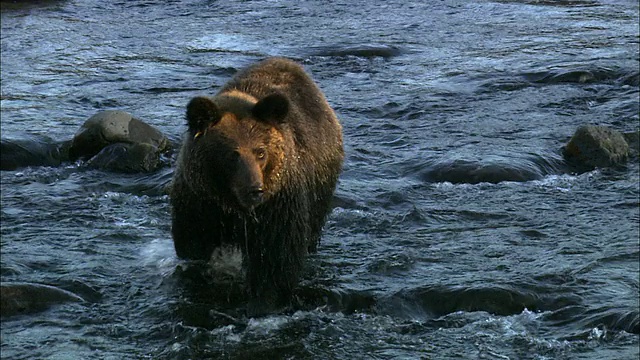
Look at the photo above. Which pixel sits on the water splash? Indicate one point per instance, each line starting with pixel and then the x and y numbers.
pixel 159 254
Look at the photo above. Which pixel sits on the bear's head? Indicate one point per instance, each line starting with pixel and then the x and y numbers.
pixel 235 148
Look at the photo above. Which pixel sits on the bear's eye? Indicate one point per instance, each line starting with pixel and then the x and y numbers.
pixel 261 153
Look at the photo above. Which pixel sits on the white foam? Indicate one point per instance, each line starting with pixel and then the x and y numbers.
pixel 227 261
pixel 562 182
pixel 228 332
pixel 598 333
pixel 266 325
pixel 160 254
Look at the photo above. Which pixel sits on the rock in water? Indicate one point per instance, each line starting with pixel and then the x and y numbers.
pixel 112 126
pixel 116 141
pixel 596 147
pixel 25 298
pixel 364 51
pixel 127 158
pixel 31 151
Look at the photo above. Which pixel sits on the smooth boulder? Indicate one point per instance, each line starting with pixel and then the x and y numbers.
pixel 110 127
pixel 595 146
pixel 116 141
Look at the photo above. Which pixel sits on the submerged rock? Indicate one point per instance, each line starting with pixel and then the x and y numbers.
pixel 365 51
pixel 33 151
pixel 492 169
pixel 576 75
pixel 468 172
pixel 26 298
pixel 113 126
pixel 631 78
pixel 596 147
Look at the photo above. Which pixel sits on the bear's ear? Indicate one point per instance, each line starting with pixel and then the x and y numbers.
pixel 272 108
pixel 201 111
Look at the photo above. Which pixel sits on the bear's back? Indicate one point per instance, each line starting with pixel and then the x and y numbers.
pixel 288 78
pixel 274 74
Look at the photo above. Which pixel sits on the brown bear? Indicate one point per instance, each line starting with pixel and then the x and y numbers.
pixel 257 171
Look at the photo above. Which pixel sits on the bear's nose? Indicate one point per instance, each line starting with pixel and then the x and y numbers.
pixel 255 194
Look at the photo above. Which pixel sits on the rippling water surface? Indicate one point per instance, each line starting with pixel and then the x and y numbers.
pixel 457 232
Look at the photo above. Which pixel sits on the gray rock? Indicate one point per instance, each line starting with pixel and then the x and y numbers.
pixel 468 172
pixel 112 126
pixel 31 151
pixel 365 51
pixel 127 158
pixel 596 147
pixel 26 298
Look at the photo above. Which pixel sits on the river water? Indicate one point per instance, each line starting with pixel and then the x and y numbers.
pixel 458 231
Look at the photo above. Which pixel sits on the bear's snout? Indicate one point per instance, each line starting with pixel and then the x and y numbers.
pixel 247 185
pixel 249 197
pixel 255 194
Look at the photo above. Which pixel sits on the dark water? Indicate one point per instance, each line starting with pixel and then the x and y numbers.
pixel 458 232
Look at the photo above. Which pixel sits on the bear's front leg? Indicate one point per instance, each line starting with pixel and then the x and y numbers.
pixel 193 237
pixel 272 271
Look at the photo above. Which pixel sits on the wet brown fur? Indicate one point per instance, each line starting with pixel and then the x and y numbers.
pixel 304 157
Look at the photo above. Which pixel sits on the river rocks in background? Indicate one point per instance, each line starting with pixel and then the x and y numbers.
pixel 113 126
pixel 115 140
pixel 438 301
pixel 596 147
pixel 109 140
pixel 631 78
pixel 33 151
pixel 492 169
pixel 26 298
pixel 572 74
pixel 364 51
pixel 127 158
pixel 467 172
